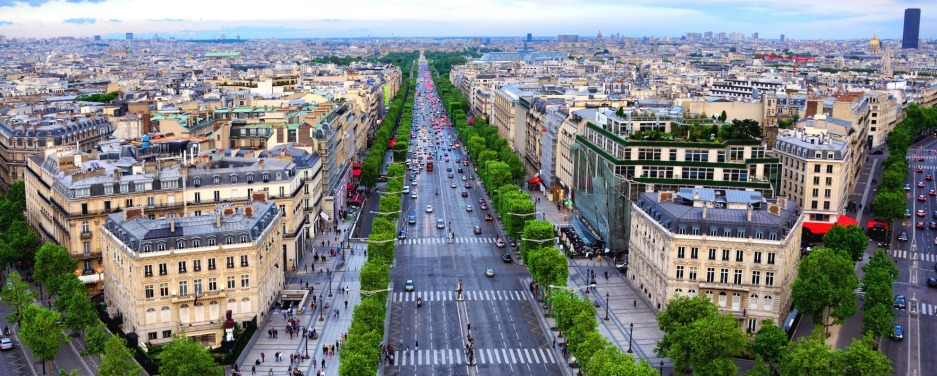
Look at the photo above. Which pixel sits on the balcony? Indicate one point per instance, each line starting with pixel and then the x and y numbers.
pixel 89 256
pixel 85 235
pixel 200 326
pixel 203 296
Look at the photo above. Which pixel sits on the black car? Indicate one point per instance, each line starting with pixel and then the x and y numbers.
pixel 903 237
pixel 506 258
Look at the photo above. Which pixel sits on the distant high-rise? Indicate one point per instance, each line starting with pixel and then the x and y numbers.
pixel 97 38
pixel 782 37
pixel 129 36
pixel 754 36
pixel 530 37
pixel 708 35
pixel 912 27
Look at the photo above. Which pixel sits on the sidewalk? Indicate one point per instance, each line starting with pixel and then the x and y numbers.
pixel 329 329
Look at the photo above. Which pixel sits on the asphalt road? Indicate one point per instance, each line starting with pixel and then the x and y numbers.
pixel 916 259
pixel 12 362
pixel 497 310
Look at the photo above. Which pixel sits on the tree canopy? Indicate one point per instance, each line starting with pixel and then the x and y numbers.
pixel 183 357
pixel 825 286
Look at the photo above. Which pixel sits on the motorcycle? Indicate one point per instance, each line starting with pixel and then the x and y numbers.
pixel 419 302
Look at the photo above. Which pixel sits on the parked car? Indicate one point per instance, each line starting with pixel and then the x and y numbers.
pixel 897 334
pixel 6 344
pixel 900 302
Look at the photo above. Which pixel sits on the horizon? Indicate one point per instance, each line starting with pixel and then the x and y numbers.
pixel 797 19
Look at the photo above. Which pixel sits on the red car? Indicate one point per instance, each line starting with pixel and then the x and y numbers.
pixel 920 184
pixel 929 177
pixel 932 192
pixel 921 198
pixel 920 225
pixel 920 169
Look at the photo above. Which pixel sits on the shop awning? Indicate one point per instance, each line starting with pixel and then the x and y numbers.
pixel 355 173
pixel 821 228
pixel 324 216
pixel 356 165
pixel 90 278
pixel 534 180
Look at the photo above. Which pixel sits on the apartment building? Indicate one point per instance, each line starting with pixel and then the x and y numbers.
pixel 70 194
pixel 23 136
pixel 504 109
pixel 737 248
pixel 744 87
pixel 181 275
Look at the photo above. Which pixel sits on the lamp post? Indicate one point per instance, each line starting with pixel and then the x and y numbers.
pixel 321 308
pixel 630 337
pixel 606 306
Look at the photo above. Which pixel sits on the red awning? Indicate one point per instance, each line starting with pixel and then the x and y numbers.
pixel 356 165
pixel 534 180
pixel 349 187
pixel 821 228
pixel 356 173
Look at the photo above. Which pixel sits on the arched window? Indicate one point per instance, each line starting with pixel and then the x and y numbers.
pixel 229 239
pixel 161 246
pixel 216 180
pixel 211 241
pixel 753 302
pixel 180 243
pixel 691 292
pixel 709 295
pixel 234 179
pixel 147 247
pixel 722 299
pixel 165 314
pixel 233 306
pixel 736 301
pixel 243 238
pixel 246 305
pixel 213 310
pixel 196 243
pixel 151 316
pixel 678 292
pixel 769 303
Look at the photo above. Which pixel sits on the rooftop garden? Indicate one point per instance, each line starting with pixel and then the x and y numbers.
pixel 701 132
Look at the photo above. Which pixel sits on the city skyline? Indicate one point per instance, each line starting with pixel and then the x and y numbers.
pixel 797 19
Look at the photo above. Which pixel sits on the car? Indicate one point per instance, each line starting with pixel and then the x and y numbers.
pixel 406 189
pixel 6 344
pixel 481 200
pixel 402 234
pixel 932 192
pixel 477 230
pixel 920 169
pixel 920 159
pixel 468 208
pixel 429 208
pixel 933 225
pixel 464 194
pixel 448 169
pixel 907 186
pixel 408 286
pixel 900 302
pixel 451 175
pixel 920 184
pixel 920 224
pixel 453 185
pixel 920 212
pixel 934 216
pixel 922 198
pixel 932 282
pixel 413 195
pixel 878 151
pixel 903 237
pixel 460 170
pixel 468 185
pixel 464 178
pixel 499 243
pixel 457 160
pixel 440 223
pixel 506 258
pixel 489 272
pixel 897 334
pixel 412 220
pixel 483 206
pixel 465 162
pixel 928 177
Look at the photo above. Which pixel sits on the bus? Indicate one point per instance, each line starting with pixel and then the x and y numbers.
pixel 429 164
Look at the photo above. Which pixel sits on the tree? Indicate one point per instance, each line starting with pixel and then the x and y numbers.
pixel 73 301
pixel 53 265
pixel 21 239
pixel 42 333
pixel 536 231
pixel 16 293
pixel 747 128
pixel 95 338
pixel 723 116
pixel 117 359
pixel 183 356
pixel 847 238
pixel 680 314
pixel 770 343
pixel 889 205
pixel 879 275
pixel 713 356
pixel 861 359
pixel 548 266
pixel 375 276
pixel 825 286
pixel 809 356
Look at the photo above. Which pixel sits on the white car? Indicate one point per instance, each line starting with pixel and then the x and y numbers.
pixel 6 344
pixel 413 195
pixel 429 208
pixel 468 207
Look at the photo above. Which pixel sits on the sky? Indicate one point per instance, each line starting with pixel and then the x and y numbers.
pixel 208 19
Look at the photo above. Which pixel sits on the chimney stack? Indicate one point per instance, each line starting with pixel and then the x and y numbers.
pixel 172 224
pixel 218 219
pixel 749 212
pixel 704 211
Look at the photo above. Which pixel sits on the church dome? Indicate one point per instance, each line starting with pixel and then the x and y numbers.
pixel 874 42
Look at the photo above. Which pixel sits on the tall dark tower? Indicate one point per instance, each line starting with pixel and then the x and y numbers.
pixel 912 27
pixel 530 37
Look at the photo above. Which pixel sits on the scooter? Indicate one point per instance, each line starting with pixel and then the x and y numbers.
pixel 419 302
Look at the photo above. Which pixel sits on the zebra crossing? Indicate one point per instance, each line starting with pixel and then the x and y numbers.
pixel 914 256
pixel 449 295
pixel 472 240
pixel 482 356
pixel 928 309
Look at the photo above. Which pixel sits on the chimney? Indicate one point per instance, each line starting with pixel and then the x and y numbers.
pixel 704 211
pixel 131 213
pixel 218 219
pixel 260 164
pixel 748 209
pixel 116 175
pixel 172 224
pixel 248 211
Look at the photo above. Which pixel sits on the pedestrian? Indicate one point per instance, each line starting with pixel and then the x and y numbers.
pixel 323 363
pixel 262 356
pixel 270 372
pixel 346 304
pixel 276 356
pixel 417 346
pixel 635 303
pixel 253 370
pixel 305 267
pixel 257 362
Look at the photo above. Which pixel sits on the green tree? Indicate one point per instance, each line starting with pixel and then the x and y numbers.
pixel 713 356
pixel 356 364
pixel 747 128
pixel 21 239
pixel 16 293
pixel 95 338
pixel 825 286
pixel 861 359
pixel 41 333
pixel 610 361
pixel 674 321
pixel 117 359
pixel 850 239
pixel 519 211
pixel 375 276
pixel 53 266
pixel 538 234
pixel 809 356
pixel 889 205
pixel 723 116
pixel 548 267
pixel 183 357
pixel 73 301
pixel 770 343
pixel 879 275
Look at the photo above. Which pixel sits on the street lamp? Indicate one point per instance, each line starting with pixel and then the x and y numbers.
pixel 606 306
pixel 630 337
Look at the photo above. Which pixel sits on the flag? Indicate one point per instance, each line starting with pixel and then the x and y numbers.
pixel 196 299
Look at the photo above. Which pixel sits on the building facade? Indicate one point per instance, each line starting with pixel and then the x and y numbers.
pixel 173 276
pixel 734 247
pixel 912 28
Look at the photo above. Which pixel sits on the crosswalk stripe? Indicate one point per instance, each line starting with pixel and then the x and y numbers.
pixel 550 354
pixel 483 356
pixel 527 354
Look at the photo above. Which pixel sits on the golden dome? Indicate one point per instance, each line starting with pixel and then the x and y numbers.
pixel 874 41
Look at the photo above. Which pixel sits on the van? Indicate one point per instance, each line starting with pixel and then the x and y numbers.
pixel 406 189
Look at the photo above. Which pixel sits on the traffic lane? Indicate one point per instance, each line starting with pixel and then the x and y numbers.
pixel 13 362
pixel 899 351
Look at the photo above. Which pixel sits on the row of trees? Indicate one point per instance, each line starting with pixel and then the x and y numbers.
pixel 889 203
pixel 499 167
pixel 371 167
pixel 699 339
pixel 19 243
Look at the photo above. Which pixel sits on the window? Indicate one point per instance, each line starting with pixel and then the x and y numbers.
pixel 217 195
pixel 147 248
pixel 692 273
pixel 245 280
pixel 151 335
pixel 196 243
pixel 163 270
pixel 816 192
pixel 724 276
pixel 197 286
pixel 148 270
pixel 713 231
pixel 739 256
pixel 753 301
pixel 183 288
pixel 182 267
pixel 696 155
pixel 140 187
pixel 757 259
pixel 710 275
pixel 150 201
pixel 163 289
pixel 212 284
pixel 816 168
pixel 738 277
pixel 681 252
pixel 243 238
pixel 198 197
pixel 229 239
pixel 211 241
pixel 197 265
pixel 771 258
pixel 827 193
pixel 124 188
pixel 180 244
pixel 167 334
pixel 148 289
pixel 161 246
pixel 756 277
pixel 694 253
pixel 829 181
pixel 231 282
pixel 725 255
pixel 216 180
pixel 679 271
pixel 108 189
pixel 722 299
pixel 282 191
pixel 769 303
pixel 85 227
pixel 244 260
pixel 829 169
pixel 712 253
pixel 234 179
pixel 769 278
pixel 229 261
pixel 211 264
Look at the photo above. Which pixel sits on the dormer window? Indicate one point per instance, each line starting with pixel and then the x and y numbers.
pixel 265 177
pixel 197 182
pixel 250 178
pixel 216 180
pixel 234 179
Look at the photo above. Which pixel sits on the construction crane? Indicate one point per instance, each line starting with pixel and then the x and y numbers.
pixel 795 59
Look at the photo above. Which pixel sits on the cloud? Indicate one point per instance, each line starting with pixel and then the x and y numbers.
pixel 114 20
pixel 168 20
pixel 81 21
pixel 4 23
pixel 36 3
